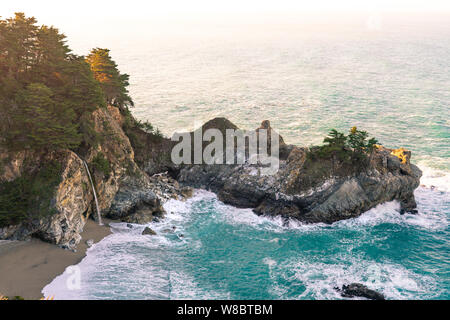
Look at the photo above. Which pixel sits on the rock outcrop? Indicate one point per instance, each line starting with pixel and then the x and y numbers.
pixel 148 232
pixel 359 290
pixel 308 189
pixel 125 191
pixel 60 212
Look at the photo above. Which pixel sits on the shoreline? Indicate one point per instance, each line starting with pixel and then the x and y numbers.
pixel 26 267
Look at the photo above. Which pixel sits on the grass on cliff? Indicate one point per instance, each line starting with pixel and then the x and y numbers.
pixel 29 196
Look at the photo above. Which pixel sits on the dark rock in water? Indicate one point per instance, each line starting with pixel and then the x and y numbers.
pixel 411 211
pixel 309 186
pixel 359 290
pixel 129 225
pixel 148 231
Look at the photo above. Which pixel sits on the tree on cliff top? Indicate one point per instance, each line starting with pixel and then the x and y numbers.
pixel 357 141
pixel 43 121
pixel 113 83
pixel 44 89
pixel 348 149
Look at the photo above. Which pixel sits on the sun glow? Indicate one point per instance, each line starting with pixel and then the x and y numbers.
pixel 193 7
pixel 92 22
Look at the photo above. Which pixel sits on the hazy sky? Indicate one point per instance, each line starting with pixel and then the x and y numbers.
pixel 102 22
pixel 137 9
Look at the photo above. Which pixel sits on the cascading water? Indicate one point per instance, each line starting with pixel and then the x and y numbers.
pixel 99 217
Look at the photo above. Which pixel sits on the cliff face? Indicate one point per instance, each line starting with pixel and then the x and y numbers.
pixel 49 195
pixel 58 212
pixel 58 215
pixel 312 190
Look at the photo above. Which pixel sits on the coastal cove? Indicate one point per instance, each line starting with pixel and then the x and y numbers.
pixel 220 252
pixel 356 123
pixel 30 265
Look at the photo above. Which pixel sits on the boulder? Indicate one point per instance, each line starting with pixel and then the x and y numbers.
pixel 359 290
pixel 148 231
pixel 90 242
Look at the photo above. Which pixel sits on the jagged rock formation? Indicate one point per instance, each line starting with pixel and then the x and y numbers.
pixel 311 190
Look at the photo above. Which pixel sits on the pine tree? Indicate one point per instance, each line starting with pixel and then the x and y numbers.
pixel 41 122
pixel 113 83
pixel 44 89
pixel 335 139
pixel 79 89
pixel 357 141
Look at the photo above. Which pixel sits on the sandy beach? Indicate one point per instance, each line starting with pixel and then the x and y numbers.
pixel 26 267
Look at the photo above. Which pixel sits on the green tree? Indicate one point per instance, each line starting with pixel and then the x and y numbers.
pixel 113 83
pixel 44 88
pixel 347 149
pixel 357 140
pixel 335 139
pixel 79 89
pixel 41 122
pixel 17 46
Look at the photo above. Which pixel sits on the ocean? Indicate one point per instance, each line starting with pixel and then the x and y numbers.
pixel 391 78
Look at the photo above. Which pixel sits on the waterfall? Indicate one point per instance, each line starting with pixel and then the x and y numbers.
pixel 99 217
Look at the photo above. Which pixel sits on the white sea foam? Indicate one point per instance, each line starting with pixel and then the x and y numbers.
pixel 100 269
pixel 122 265
pixel 148 263
pixel 321 279
pixel 270 262
pixel 389 212
pixel 383 213
pixel 436 179
pixel 183 286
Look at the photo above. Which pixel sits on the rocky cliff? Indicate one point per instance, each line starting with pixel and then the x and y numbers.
pixel 56 206
pixel 311 189
pixel 49 195
pixel 55 211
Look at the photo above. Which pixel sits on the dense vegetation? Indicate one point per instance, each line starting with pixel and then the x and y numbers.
pixel 29 196
pixel 355 147
pixel 101 164
pixel 112 82
pixel 340 156
pixel 45 89
pixel 47 95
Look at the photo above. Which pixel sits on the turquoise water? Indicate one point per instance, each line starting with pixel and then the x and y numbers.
pixel 393 82
pixel 221 252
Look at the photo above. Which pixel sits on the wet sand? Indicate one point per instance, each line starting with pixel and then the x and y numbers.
pixel 26 267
